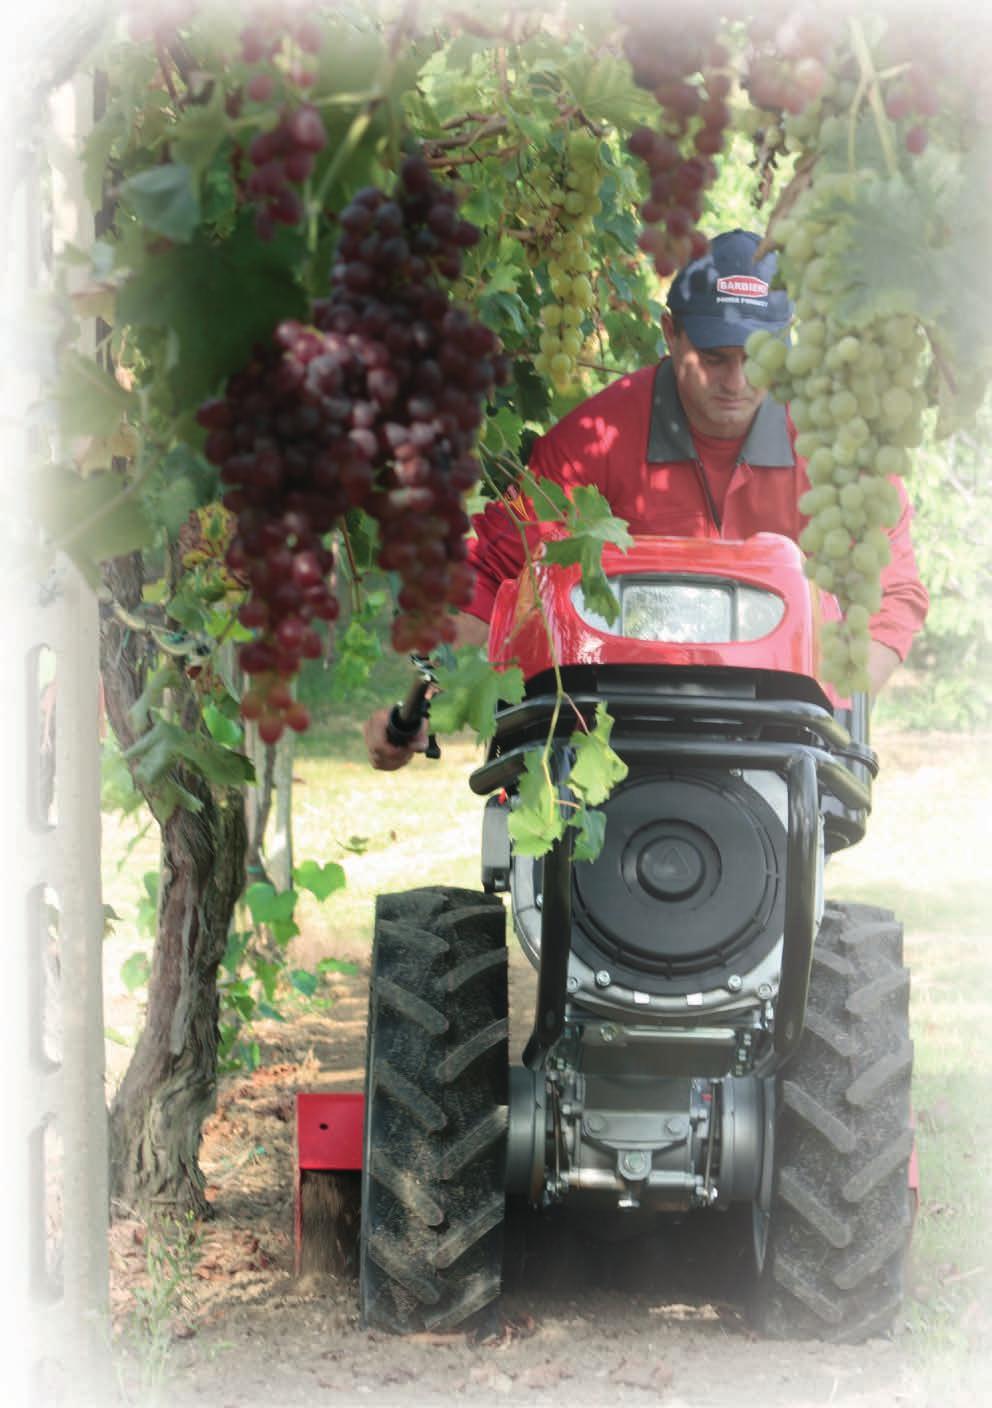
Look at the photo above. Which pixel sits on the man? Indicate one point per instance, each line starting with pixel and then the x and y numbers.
pixel 688 449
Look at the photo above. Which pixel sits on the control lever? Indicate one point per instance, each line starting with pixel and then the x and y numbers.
pixel 406 717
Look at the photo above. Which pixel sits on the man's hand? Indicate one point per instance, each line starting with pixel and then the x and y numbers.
pixel 882 661
pixel 386 756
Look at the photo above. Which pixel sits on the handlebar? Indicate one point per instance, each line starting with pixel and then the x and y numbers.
pixel 406 717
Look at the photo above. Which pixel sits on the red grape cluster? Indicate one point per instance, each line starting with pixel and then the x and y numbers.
pixel 283 158
pixel 162 24
pixel 790 55
pixel 685 69
pixel 279 29
pixel 375 404
pixel 912 98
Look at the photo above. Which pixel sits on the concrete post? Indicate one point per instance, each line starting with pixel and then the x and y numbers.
pixel 54 1193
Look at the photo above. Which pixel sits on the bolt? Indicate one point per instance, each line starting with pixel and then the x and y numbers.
pixel 572 985
pixel 634 1163
pixel 609 1032
pixel 735 982
pixel 595 1124
pixel 603 978
pixel 764 990
pixel 676 1125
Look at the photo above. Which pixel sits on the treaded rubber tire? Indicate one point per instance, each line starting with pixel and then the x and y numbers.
pixel 436 1093
pixel 839 1223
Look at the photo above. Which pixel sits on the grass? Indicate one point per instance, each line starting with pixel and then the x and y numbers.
pixel 925 857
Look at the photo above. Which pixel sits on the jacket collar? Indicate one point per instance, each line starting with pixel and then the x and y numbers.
pixel 669 438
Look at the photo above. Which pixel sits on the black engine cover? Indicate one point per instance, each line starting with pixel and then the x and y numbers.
pixel 689 887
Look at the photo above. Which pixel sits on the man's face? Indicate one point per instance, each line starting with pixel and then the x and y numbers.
pixel 715 394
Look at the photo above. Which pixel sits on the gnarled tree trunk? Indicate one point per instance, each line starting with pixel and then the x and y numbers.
pixel 170 1084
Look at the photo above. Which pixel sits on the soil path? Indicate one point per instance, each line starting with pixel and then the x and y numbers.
pixel 654 1320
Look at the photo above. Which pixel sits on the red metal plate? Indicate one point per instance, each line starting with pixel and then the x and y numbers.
pixel 329 1129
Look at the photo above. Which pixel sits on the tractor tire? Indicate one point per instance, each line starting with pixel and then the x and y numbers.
pixel 837 1230
pixel 436 1095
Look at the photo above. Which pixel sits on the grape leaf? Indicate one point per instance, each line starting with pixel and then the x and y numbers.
pixel 304 982
pixel 603 88
pixel 227 732
pixel 531 395
pixel 181 482
pixel 500 308
pixel 320 880
pixel 135 971
pixel 548 499
pixel 597 768
pixel 112 520
pixel 357 650
pixel 198 292
pixel 267 905
pixel 471 692
pixel 591 827
pixel 90 400
pixel 537 821
pixel 200 131
pixel 337 965
pixel 165 199
pixel 166 744
pixel 267 974
pixel 591 524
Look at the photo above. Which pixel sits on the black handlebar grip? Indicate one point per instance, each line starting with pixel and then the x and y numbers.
pixel 405 719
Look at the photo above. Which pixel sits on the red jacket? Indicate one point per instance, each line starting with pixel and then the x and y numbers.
pixel 632 441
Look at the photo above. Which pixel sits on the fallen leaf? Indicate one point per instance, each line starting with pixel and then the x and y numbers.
pixel 547 1375
pixel 487 1376
pixel 650 1376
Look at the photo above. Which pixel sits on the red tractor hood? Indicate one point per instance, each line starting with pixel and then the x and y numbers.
pixel 767 561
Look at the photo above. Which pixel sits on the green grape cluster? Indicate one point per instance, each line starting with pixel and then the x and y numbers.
pixel 856 397
pixel 569 262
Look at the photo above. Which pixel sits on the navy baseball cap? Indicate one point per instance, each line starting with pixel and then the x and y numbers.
pixel 724 296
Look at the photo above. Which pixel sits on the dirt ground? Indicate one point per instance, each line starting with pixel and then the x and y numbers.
pixel 658 1319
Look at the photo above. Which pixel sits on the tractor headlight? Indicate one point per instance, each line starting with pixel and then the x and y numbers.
pixel 686 612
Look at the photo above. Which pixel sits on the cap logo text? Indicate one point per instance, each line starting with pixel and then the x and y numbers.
pixel 742 286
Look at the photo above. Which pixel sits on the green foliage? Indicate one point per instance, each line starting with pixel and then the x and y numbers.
pixel 196 294
pixel 90 401
pixel 165 199
pixel 320 880
pixel 135 971
pixel 471 692
pixel 164 744
pixel 591 524
pixel 274 909
pixel 537 820
pixel 90 519
pixel 597 769
pixel 258 981
pixel 543 808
